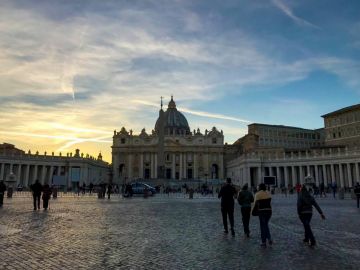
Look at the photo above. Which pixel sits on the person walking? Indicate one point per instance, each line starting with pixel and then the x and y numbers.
pixel 2 192
pixel 305 204
pixel 334 189
pixel 356 191
pixel 322 190
pixel 109 190
pixel 262 208
pixel 91 187
pixel 46 196
pixel 245 198
pixel 227 194
pixel 36 190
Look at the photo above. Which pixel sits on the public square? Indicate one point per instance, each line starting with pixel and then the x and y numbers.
pixel 172 232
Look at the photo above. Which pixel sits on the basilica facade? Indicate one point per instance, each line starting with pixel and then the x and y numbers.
pixel 171 151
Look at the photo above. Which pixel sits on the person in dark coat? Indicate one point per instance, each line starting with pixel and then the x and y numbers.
pixel 109 190
pixel 262 208
pixel 304 208
pixel 357 193
pixel 227 194
pixel 91 187
pixel 46 196
pixel 36 190
pixel 245 198
pixel 2 192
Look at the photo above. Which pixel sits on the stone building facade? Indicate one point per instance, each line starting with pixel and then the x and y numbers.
pixel 170 151
pixel 27 167
pixel 342 127
pixel 334 159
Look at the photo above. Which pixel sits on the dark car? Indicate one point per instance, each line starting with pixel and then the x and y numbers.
pixel 139 188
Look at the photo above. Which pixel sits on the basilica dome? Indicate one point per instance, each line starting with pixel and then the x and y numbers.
pixel 175 122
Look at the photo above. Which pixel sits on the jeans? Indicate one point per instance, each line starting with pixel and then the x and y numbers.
pixel 36 198
pixel 264 226
pixel 245 213
pixel 228 211
pixel 305 219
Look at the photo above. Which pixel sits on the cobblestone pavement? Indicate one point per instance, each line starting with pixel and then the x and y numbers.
pixel 170 233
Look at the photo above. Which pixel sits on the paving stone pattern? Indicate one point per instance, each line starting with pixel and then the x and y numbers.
pixel 170 233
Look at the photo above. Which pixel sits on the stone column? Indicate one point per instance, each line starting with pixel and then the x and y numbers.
pixel 341 175
pixel 308 171
pixel 248 176
pixel 27 172
pixel 181 166
pixel 293 175
pixel 152 165
pixel 2 171
pixel 350 181
pixel 332 177
pixel 185 165
pixel 68 176
pixel 36 167
pixel 58 170
pixel 286 175
pixel 11 168
pixel 301 174
pixel 141 166
pixel 43 174
pixel 18 175
pixel 324 174
pixel 155 165
pixel 49 181
pixel 270 171
pixel 317 175
pixel 195 174
pixel 278 176
pixel 357 172
pixel 173 166
pixel 259 176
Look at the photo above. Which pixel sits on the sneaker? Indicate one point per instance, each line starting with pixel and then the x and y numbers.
pixel 226 231
pixel 312 244
pixel 305 241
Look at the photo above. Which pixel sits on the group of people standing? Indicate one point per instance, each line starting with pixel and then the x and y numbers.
pixel 38 189
pixel 260 206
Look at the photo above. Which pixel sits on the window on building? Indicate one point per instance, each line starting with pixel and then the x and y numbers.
pixel 122 140
pixel 214 140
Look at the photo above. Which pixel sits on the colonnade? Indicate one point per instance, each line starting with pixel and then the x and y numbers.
pixel 287 174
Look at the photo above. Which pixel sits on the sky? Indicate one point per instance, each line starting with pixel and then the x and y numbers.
pixel 72 72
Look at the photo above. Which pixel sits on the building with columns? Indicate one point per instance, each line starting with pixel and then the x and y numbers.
pixel 342 127
pixel 170 151
pixel 70 169
pixel 326 161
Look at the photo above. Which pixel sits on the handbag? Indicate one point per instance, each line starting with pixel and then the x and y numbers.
pixel 255 210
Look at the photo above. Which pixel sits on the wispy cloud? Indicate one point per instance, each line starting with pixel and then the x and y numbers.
pixel 72 76
pixel 195 112
pixel 288 12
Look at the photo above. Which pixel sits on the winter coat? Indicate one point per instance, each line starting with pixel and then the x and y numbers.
pixel 262 202
pixel 46 193
pixel 245 198
pixel 227 194
pixel 305 204
pixel 36 188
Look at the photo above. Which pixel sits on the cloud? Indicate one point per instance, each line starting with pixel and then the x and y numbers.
pixel 288 12
pixel 71 73
pixel 197 113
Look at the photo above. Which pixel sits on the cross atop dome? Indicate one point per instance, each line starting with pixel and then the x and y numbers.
pixel 172 104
